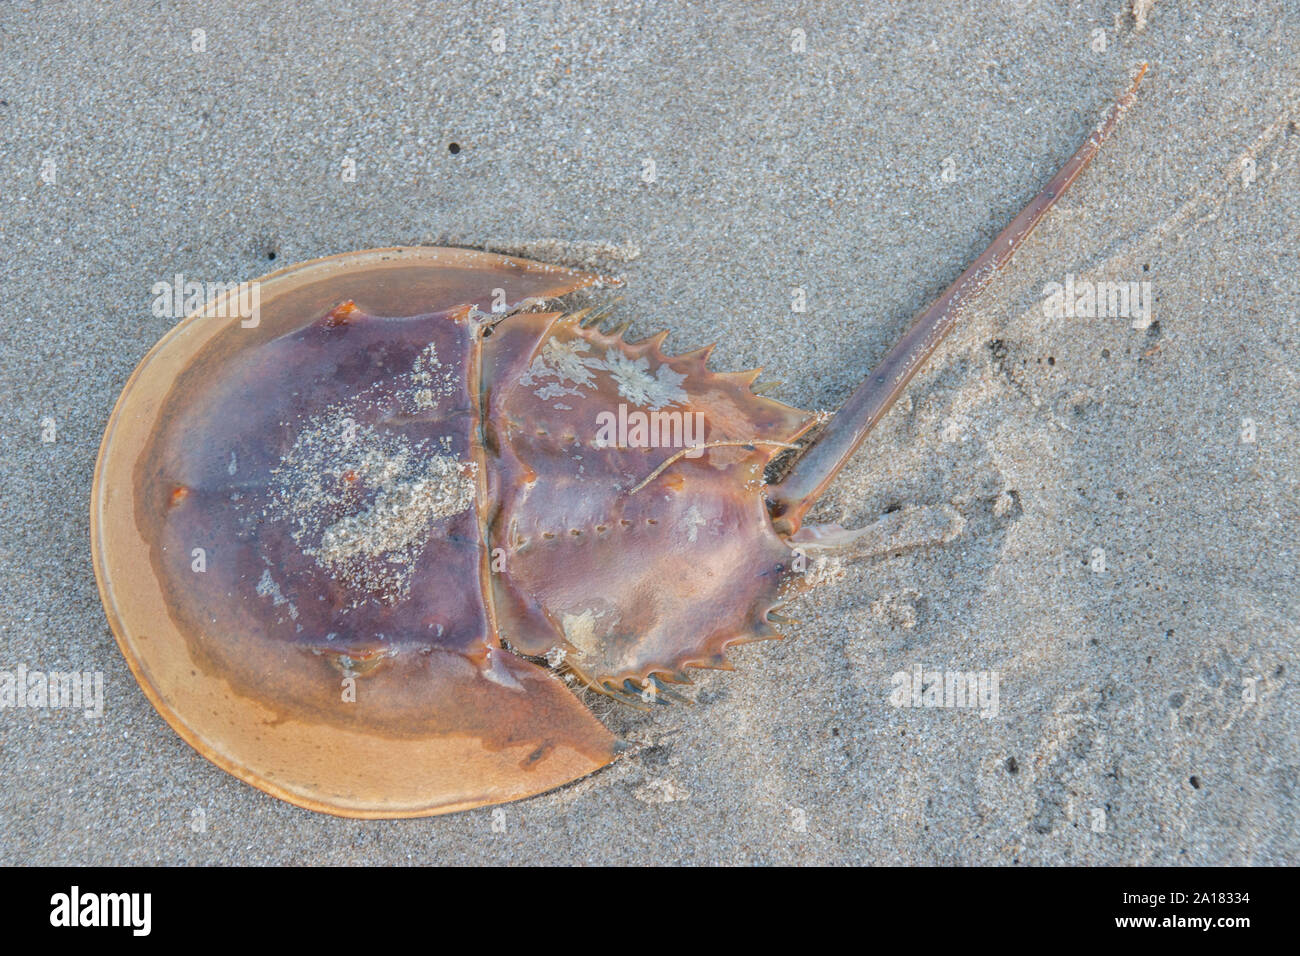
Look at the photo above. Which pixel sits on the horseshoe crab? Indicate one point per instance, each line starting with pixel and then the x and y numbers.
pixel 347 544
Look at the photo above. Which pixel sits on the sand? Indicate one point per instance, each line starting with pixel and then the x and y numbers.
pixel 1127 485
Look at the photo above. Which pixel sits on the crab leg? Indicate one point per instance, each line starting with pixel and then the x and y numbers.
pixel 814 470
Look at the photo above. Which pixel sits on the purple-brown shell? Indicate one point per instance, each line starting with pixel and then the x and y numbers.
pixel 335 545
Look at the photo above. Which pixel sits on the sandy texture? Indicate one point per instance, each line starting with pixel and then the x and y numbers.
pixel 1126 560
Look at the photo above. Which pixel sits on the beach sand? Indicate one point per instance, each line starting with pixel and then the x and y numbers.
pixel 1126 565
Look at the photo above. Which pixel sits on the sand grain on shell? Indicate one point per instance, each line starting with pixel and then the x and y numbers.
pixel 363 501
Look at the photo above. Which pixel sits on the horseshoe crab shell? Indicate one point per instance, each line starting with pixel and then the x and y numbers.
pixel 330 542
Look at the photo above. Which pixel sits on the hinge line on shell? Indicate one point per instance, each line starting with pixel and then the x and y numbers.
pixel 477 388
